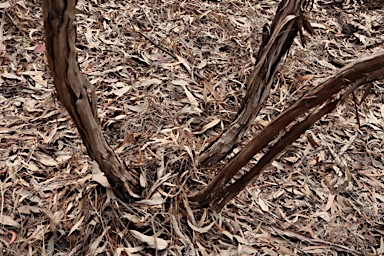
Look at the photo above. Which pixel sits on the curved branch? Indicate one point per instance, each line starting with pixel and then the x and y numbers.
pixel 72 85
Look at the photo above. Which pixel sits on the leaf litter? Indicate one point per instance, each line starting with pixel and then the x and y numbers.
pixel 170 77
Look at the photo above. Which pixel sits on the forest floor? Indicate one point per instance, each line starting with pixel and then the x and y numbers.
pixel 170 76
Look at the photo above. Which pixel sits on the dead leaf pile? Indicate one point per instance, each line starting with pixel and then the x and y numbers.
pixel 170 77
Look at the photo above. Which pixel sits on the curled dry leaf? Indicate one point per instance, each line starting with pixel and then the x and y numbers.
pixel 46 159
pixel 101 179
pixel 152 241
pixel 139 108
pixel 8 221
pixel 120 92
pixel 208 126
pixel 13 238
pixel 154 200
pixel 11 76
pixel 201 230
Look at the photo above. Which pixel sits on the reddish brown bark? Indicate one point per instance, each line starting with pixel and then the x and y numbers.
pixel 288 21
pixel 72 85
pixel 218 192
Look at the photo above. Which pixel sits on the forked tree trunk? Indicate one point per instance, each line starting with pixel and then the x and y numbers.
pixel 72 85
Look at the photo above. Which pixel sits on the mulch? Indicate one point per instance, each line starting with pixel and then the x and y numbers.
pixel 170 77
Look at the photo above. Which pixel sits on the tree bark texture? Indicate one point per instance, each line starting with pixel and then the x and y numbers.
pixel 362 71
pixel 72 85
pixel 288 21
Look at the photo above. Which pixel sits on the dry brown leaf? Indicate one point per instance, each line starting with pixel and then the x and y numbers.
pixel 328 206
pixel 152 241
pixel 262 205
pixel 156 199
pixel 101 179
pixel 8 221
pixel 46 159
pixel 11 76
pixel 120 92
pixel 76 226
pixel 210 125
pixel 5 5
pixel 139 108
pixel 202 229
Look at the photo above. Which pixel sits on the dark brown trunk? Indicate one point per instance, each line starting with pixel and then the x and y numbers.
pixel 72 85
pixel 288 21
pixel 218 192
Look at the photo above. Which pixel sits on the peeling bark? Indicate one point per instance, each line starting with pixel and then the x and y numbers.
pixel 288 21
pixel 72 85
pixel 219 191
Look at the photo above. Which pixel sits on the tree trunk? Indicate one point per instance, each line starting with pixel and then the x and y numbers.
pixel 72 85
pixel 287 23
pixel 219 191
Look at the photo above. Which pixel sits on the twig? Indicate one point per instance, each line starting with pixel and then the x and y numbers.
pixel 192 73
